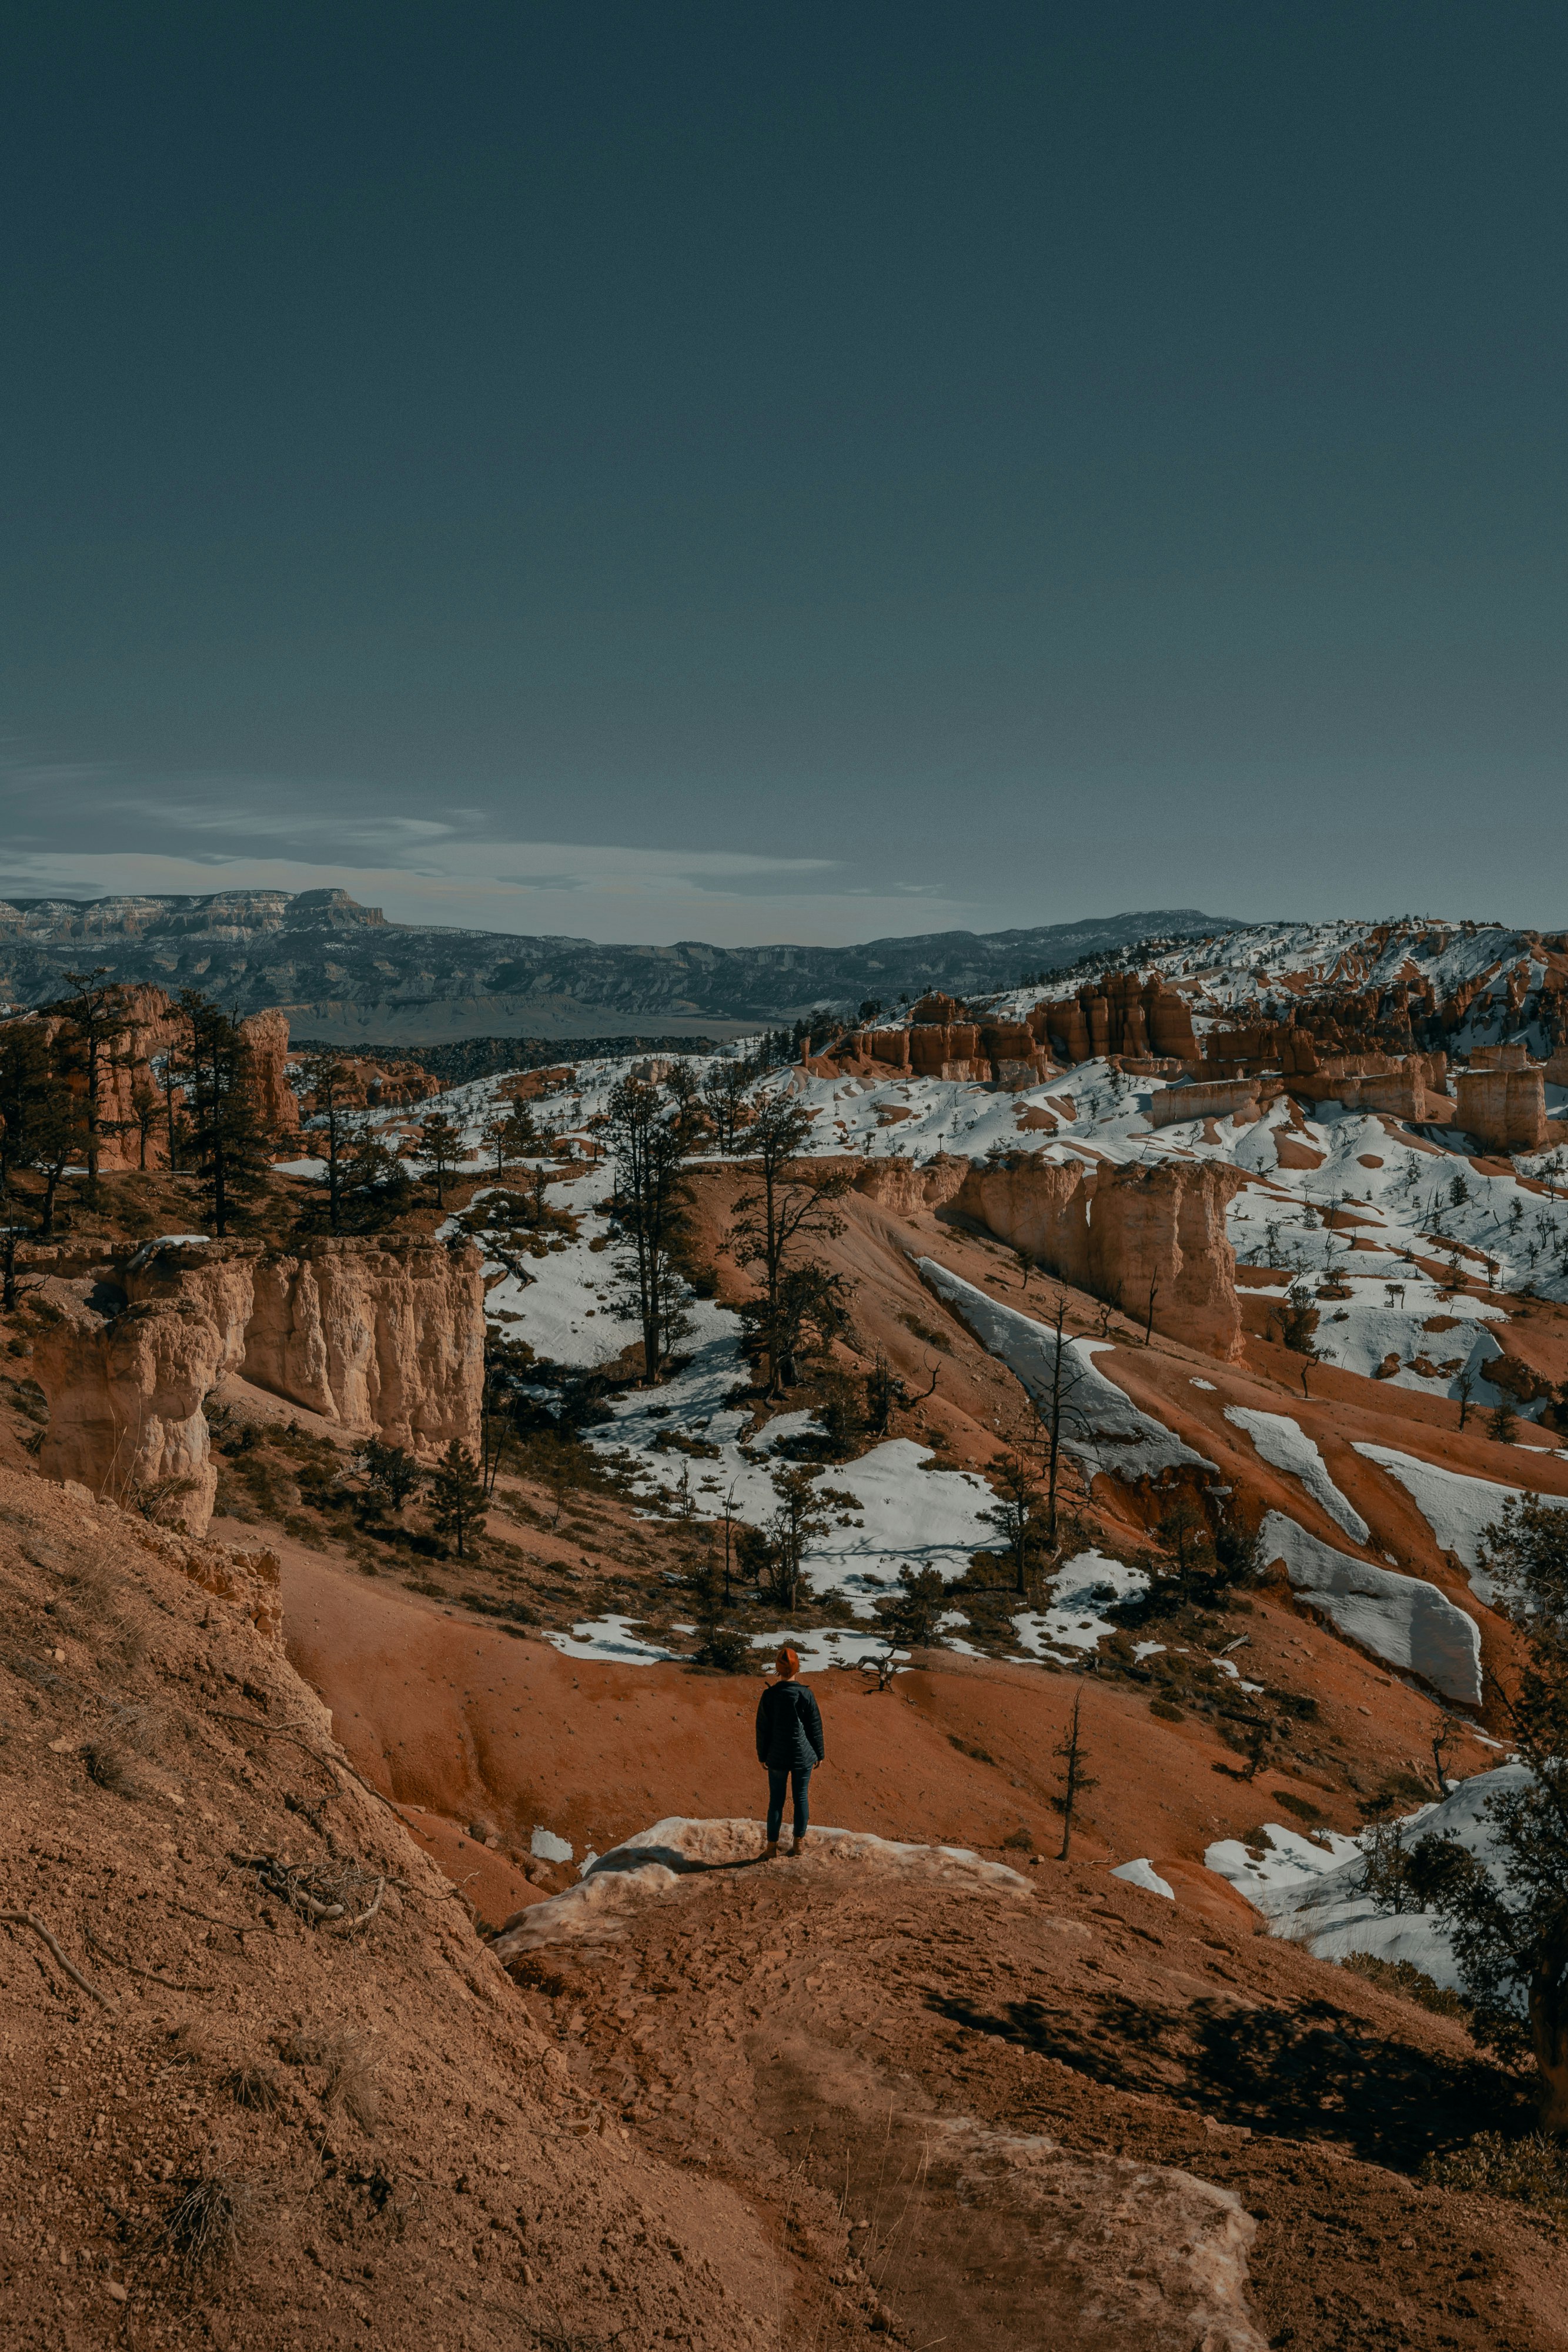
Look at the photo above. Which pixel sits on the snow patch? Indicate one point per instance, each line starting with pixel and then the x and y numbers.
pixel 1107 1430
pixel 1312 1894
pixel 1143 1874
pixel 1455 1507
pixel 1401 1619
pixel 1285 1446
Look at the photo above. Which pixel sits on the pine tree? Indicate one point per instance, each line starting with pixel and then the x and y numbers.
pixel 798 1516
pixel 1016 1513
pixel 329 1082
pixel 1509 1925
pixel 227 1135
pixel 458 1498
pixel 440 1142
pixel 724 1093
pixel 392 1476
pixel 791 1199
pixel 912 1616
pixel 95 1008
pixel 649 1136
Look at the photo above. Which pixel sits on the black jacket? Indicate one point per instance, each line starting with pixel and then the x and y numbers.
pixel 789 1728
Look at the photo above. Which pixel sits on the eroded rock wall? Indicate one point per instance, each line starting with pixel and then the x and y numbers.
pixel 383 1337
pixel 1150 1240
pixel 1504 1109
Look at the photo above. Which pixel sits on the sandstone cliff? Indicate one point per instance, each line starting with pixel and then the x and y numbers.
pixel 385 1337
pixel 1146 1239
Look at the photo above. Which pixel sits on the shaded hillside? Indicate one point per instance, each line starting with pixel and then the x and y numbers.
pixel 344 974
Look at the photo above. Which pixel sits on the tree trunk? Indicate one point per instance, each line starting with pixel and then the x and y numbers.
pixel 1549 2038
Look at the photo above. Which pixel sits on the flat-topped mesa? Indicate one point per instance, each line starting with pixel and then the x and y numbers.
pixel 1149 1240
pixel 384 1336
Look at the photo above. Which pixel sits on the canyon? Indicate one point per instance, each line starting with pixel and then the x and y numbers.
pixel 1283 1233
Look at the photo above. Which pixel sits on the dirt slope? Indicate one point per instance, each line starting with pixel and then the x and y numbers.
pixel 400 2153
pixel 847 2035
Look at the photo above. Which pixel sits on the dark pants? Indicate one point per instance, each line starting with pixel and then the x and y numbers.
pixel 800 1780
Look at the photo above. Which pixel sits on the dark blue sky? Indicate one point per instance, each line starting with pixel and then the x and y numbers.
pixel 806 471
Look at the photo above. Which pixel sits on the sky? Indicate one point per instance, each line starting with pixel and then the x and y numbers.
pixel 798 472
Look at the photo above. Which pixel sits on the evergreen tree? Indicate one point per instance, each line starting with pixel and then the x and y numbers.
pixel 791 1199
pixel 392 1476
pixel 458 1498
pixel 797 1517
pixel 1016 1513
pixel 95 1007
pixel 808 1311
pixel 510 1135
pixel 912 1615
pixel 28 1076
pixel 649 1136
pixel 440 1142
pixel 1509 1925
pixel 146 1110
pixel 724 1095
pixel 227 1136
pixel 329 1084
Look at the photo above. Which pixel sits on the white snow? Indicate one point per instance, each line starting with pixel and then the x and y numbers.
pixel 1284 1444
pixel 1103 1426
pixel 1312 1896
pixel 548 1847
pixel 1402 1619
pixel 1455 1507
pixel 1143 1874
pixel 1072 1620
pixel 612 1640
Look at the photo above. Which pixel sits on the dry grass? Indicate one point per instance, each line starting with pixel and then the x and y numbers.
pixel 1404 1978
pixel 112 1767
pixel 207 2221
pixel 351 2085
pixel 254 2088
pixel 1529 2171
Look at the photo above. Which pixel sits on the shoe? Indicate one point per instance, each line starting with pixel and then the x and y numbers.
pixel 800 1844
pixel 770 1851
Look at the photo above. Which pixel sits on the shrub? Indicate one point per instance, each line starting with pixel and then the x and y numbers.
pixel 1166 1712
pixel 1530 2171
pixel 724 1649
pixel 1402 1977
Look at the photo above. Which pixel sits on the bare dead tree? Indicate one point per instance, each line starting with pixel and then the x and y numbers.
pixel 1075 1781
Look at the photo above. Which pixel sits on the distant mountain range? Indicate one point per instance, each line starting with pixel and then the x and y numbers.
pixel 347 976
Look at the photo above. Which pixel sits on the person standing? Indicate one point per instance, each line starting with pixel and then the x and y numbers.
pixel 789 1742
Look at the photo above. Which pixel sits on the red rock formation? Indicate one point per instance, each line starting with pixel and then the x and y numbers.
pixel 1504 1109
pixel 907 1186
pixel 153 1027
pixel 384 1336
pixel 370 1083
pixel 1121 1014
pixel 1237 1098
pixel 267 1038
pixel 1139 1236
